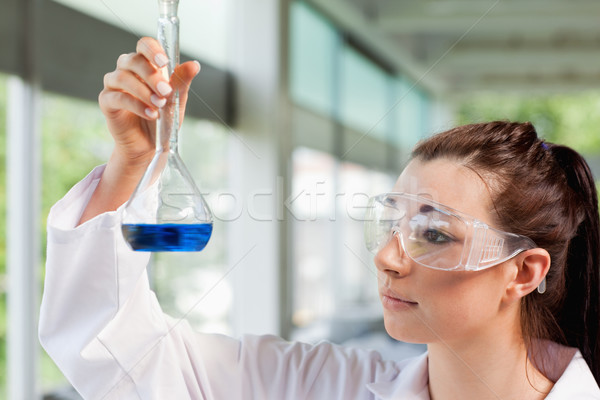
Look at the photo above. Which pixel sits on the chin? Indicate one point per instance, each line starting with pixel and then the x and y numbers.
pixel 407 332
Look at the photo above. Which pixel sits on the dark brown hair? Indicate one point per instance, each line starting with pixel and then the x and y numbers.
pixel 546 192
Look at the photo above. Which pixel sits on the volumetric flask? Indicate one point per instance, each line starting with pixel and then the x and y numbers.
pixel 166 211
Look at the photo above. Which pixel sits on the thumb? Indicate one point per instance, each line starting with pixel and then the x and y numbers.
pixel 181 80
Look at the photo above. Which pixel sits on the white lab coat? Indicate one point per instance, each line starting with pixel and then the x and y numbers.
pixel 105 329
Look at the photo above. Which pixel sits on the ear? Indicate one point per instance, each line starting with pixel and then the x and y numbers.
pixel 532 267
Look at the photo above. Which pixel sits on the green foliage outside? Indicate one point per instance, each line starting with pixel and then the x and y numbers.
pixel 572 120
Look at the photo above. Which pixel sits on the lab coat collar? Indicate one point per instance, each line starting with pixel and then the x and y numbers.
pixel 410 384
pixel 576 382
pixel 573 382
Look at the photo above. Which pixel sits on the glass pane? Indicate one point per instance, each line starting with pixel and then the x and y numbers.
pixel 312 55
pixel 313 236
pixel 359 281
pixel 412 114
pixel 426 124
pixel 364 94
pixel 335 287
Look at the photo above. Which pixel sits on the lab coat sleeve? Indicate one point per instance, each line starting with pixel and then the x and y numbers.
pixel 101 323
pixel 104 328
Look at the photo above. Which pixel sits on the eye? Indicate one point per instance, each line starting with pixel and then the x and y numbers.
pixel 435 236
pixel 389 201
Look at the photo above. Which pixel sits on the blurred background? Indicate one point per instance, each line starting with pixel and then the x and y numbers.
pixel 302 110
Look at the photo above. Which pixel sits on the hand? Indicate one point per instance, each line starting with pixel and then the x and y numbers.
pixel 132 95
pixel 130 100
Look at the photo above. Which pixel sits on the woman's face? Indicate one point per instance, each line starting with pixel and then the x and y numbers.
pixel 423 305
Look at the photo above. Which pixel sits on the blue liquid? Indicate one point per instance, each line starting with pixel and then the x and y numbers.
pixel 167 237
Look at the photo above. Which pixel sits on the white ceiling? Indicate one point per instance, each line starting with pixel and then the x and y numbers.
pixel 461 46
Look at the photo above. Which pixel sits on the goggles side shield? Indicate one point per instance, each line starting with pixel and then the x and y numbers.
pixel 437 236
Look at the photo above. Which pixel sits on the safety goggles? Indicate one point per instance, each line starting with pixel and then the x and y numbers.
pixel 437 236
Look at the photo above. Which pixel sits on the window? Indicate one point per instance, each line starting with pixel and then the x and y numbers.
pixel 313 210
pixel 411 108
pixel 364 94
pixel 312 59
pixel 332 78
pixel 335 280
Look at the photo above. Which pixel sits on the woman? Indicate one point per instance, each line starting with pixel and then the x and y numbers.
pixel 486 249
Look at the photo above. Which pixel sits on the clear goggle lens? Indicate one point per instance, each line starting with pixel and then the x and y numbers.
pixel 437 236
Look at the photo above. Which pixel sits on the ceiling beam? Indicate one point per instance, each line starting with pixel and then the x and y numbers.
pixel 523 46
pixel 500 60
pixel 498 8
pixel 526 84
pixel 526 25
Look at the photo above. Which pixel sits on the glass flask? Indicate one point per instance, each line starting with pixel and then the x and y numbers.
pixel 166 212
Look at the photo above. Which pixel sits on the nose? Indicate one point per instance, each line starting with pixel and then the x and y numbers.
pixel 391 259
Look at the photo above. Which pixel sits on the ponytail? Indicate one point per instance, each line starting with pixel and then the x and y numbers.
pixel 579 317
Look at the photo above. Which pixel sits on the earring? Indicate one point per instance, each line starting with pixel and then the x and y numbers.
pixel 542 286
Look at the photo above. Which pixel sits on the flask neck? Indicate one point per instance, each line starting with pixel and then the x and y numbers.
pixel 168 36
pixel 174 140
pixel 167 132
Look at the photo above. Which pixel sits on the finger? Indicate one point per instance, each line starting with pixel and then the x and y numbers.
pixel 184 75
pixel 151 49
pixel 126 81
pixel 181 80
pixel 112 101
pixel 148 73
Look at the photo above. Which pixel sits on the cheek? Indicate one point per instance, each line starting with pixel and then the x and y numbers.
pixel 450 307
pixel 460 305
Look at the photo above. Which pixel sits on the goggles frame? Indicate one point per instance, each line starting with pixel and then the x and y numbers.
pixel 483 246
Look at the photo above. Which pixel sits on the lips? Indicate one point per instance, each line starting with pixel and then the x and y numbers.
pixel 391 297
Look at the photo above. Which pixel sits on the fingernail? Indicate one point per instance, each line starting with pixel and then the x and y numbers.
pixel 161 60
pixel 164 88
pixel 151 113
pixel 199 66
pixel 157 101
